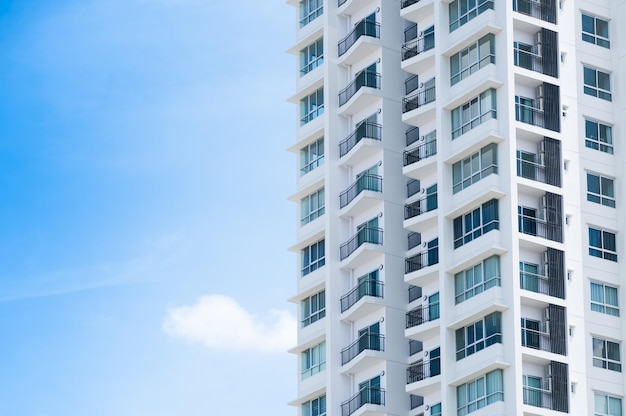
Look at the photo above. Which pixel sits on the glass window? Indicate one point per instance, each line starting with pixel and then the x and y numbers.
pixel 473 113
pixel 479 393
pixel 602 244
pixel 478 335
pixel 313 308
pixel 312 156
pixel 606 354
pixel 475 167
pixel 310 10
pixel 435 410
pixel 598 136
pixel 312 207
pixel 315 407
pixel 476 223
pixel 600 190
pixel 312 106
pixel 597 83
pixel 604 299
pixel 313 257
pixel 605 405
pixel 312 56
pixel 313 360
pixel 477 279
pixel 472 58
pixel 462 11
pixel 533 392
pixel 596 30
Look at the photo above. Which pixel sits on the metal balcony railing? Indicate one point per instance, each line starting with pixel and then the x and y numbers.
pixel 363 28
pixel 423 151
pixel 534 282
pixel 364 235
pixel 366 287
pixel 407 3
pixel 421 206
pixel 367 395
pixel 537 340
pixel 421 260
pixel 416 46
pixel 537 397
pixel 529 115
pixel 363 79
pixel 367 341
pixel 423 370
pixel 422 314
pixel 531 170
pixel 418 99
pixel 365 182
pixel 364 130
pixel 528 60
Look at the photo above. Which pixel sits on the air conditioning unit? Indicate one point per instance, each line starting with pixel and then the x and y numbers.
pixel 546 314
pixel 548 383
pixel 539 91
pixel 538 39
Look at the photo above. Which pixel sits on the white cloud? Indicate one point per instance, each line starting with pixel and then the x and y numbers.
pixel 220 323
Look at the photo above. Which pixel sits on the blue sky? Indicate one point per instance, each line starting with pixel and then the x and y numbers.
pixel 143 209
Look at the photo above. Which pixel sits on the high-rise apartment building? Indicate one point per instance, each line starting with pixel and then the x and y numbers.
pixel 460 190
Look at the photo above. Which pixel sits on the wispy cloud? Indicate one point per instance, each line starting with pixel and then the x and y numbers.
pixel 220 323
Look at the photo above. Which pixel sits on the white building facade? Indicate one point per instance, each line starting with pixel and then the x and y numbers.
pixel 461 216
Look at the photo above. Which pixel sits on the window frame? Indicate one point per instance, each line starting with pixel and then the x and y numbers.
pixel 313 360
pixel 470 114
pixel 603 305
pixel 310 10
pixel 307 162
pixel 599 140
pixel 312 206
pixel 593 37
pixel 595 90
pixel 470 172
pixel 601 251
pixel 310 264
pixel 607 404
pixel 311 56
pixel 485 283
pixel 475 337
pixel 310 106
pixel 476 223
pixel 472 400
pixel 313 309
pixel 309 407
pixel 465 69
pixel 599 197
pixel 470 13
pixel 604 362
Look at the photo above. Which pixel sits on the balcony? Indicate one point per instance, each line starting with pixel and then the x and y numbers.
pixel 422 314
pixel 365 182
pixel 531 170
pixel 367 341
pixel 537 397
pixel 364 130
pixel 421 260
pixel 406 3
pixel 364 78
pixel 421 206
pixel 418 99
pixel 544 9
pixel 534 282
pixel 363 28
pixel 423 370
pixel 549 226
pixel 536 339
pixel 530 60
pixel 530 115
pixel 366 287
pixel 367 395
pixel 421 152
pixel 369 235
pixel 416 46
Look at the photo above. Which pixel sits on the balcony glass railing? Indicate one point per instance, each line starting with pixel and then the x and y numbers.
pixel 365 78
pixel 421 260
pixel 423 370
pixel 534 282
pixel 363 28
pixel 538 397
pixel 416 46
pixel 364 130
pixel 529 115
pixel 418 99
pixel 367 395
pixel 536 339
pixel 422 314
pixel 528 60
pixel 370 235
pixel 367 341
pixel 423 151
pixel 531 170
pixel 367 287
pixel 529 8
pixel 421 206
pixel 365 182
